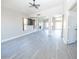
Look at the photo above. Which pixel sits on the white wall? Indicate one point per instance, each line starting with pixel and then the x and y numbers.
pixel 67 5
pixel 65 27
pixel 70 3
pixel 11 24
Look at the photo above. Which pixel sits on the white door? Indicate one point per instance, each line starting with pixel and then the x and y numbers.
pixel 72 27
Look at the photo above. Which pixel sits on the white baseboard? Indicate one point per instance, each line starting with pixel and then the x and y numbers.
pixel 69 42
pixel 72 42
pixel 5 40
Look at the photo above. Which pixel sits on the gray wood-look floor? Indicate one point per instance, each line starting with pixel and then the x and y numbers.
pixel 39 45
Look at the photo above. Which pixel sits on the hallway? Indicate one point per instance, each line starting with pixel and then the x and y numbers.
pixel 39 45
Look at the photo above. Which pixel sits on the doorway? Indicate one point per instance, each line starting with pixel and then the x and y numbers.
pixel 58 22
pixel 58 25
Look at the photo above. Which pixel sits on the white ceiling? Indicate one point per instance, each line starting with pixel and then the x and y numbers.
pixel 23 5
pixel 75 8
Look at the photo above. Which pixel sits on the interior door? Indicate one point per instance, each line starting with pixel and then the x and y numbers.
pixel 72 26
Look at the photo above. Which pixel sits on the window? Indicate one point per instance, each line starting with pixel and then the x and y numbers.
pixel 59 19
pixel 58 22
pixel 31 22
pixel 28 23
pixel 58 25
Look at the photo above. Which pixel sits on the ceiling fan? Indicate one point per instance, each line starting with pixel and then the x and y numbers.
pixel 34 4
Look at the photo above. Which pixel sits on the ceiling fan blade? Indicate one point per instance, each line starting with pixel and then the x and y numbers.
pixel 33 0
pixel 37 4
pixel 30 3
pixel 36 7
pixel 30 6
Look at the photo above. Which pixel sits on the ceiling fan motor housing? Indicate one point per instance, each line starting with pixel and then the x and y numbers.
pixel 33 0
